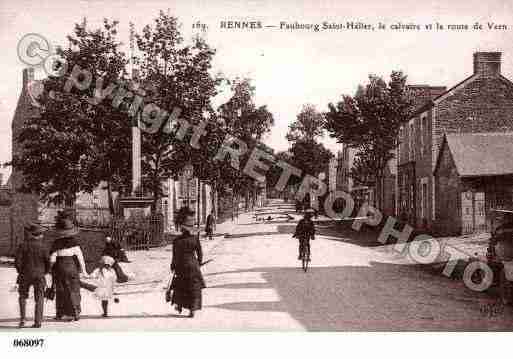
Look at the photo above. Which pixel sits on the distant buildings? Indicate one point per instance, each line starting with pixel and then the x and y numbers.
pixel 346 183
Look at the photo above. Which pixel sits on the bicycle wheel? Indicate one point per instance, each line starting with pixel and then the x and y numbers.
pixel 306 256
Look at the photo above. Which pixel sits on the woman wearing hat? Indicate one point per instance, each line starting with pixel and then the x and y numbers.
pixel 67 262
pixel 187 257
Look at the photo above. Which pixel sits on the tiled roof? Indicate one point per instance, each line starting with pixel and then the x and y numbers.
pixel 482 154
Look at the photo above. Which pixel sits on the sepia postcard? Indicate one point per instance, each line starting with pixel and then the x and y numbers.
pixel 248 166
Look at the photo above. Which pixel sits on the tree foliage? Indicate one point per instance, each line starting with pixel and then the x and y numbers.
pixel 306 153
pixel 174 75
pixel 309 125
pixel 310 157
pixel 243 120
pixel 77 142
pixel 370 121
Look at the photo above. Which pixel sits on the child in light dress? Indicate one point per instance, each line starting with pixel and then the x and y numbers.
pixel 105 277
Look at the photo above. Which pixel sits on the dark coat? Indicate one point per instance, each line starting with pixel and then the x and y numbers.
pixel 113 249
pixel 187 255
pixel 504 233
pixel 305 229
pixel 32 259
pixel 188 280
pixel 210 221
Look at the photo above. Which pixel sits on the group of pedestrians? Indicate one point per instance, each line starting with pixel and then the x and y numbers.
pixel 34 263
pixel 64 266
pixel 66 263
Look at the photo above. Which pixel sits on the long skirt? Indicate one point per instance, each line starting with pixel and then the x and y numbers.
pixel 187 291
pixel 67 287
pixel 121 277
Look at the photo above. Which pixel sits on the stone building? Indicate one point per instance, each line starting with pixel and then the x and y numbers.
pixel 383 199
pixel 473 174
pixel 483 102
pixel 23 206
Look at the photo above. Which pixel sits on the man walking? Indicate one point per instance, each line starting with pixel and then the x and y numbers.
pixel 32 263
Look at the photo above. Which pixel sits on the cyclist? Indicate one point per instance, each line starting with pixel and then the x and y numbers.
pixel 305 231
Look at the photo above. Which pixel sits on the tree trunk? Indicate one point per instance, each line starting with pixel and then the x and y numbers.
pixel 213 199
pixel 112 210
pixel 198 197
pixel 233 204
pixel 156 198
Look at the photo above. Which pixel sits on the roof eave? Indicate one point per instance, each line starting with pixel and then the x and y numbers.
pixel 486 175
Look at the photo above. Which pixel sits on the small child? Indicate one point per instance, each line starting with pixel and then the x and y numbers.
pixel 105 277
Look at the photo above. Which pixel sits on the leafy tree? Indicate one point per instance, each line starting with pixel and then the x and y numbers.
pixel 370 122
pixel 310 157
pixel 78 140
pixel 306 153
pixel 275 171
pixel 248 123
pixel 309 125
pixel 173 75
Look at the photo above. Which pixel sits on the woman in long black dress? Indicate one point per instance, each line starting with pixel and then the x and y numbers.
pixel 67 262
pixel 187 257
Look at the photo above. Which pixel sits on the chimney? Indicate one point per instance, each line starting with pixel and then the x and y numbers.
pixel 28 75
pixel 487 64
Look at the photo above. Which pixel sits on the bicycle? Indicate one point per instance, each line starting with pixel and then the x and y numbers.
pixel 305 256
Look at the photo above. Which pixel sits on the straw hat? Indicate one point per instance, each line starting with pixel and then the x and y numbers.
pixel 108 260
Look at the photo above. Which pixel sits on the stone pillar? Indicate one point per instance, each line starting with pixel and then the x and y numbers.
pixel 136 158
pixel 171 205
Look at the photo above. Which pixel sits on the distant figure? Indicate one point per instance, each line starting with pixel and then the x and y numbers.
pixel 188 281
pixel 209 227
pixel 32 263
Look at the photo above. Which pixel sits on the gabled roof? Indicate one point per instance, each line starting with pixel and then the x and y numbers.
pixel 480 154
pixel 441 96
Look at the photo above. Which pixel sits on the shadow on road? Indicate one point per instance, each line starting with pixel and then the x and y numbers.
pixel 380 296
pixel 252 234
pixel 366 237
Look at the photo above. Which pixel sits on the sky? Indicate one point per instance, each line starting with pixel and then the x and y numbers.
pixel 288 67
